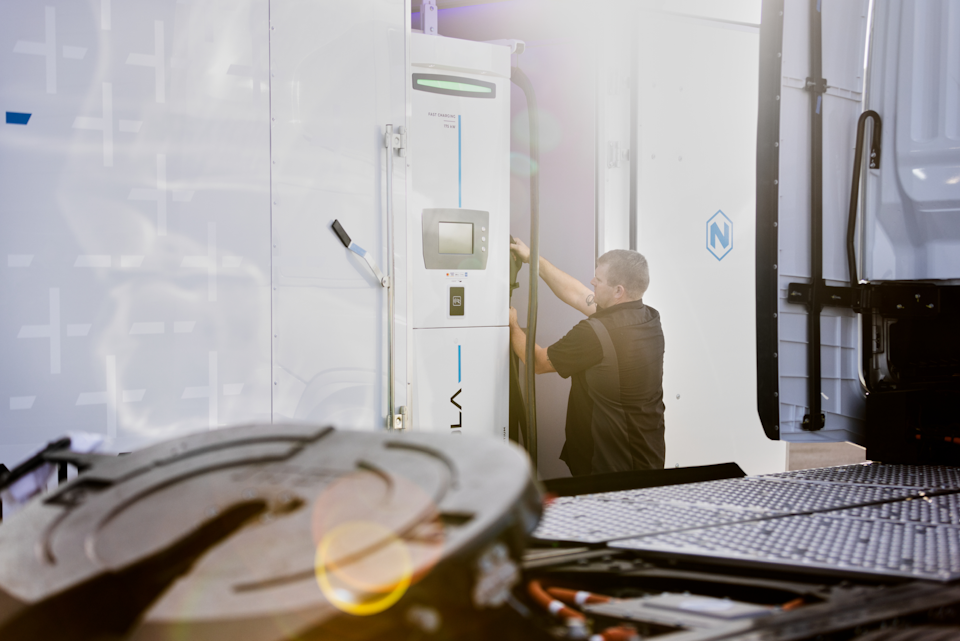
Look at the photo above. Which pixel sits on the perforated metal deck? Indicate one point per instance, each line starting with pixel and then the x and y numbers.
pixel 598 521
pixel 597 518
pixel 892 520
pixel 852 545
pixel 925 477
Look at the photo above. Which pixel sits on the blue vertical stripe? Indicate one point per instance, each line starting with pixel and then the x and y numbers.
pixel 459 365
pixel 459 163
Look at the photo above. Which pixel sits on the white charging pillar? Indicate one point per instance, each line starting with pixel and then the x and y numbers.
pixel 459 209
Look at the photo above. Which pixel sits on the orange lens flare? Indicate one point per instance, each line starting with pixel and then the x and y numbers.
pixel 359 580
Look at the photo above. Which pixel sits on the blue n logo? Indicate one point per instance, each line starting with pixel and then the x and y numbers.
pixel 719 235
pixel 722 236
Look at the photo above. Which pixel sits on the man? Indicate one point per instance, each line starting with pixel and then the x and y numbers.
pixel 615 410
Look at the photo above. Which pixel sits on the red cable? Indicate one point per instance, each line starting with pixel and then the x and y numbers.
pixel 550 604
pixel 617 633
pixel 575 597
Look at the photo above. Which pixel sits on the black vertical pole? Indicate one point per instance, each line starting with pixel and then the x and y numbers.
pixel 520 79
pixel 816 85
pixel 3 472
pixel 768 214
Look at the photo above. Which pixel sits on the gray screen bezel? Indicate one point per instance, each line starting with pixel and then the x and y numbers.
pixel 430 225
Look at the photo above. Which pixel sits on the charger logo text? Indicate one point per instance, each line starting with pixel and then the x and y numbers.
pixel 459 381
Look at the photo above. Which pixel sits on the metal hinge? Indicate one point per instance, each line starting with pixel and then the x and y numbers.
pixel 396 140
pixel 817 86
pixel 400 419
pixel 806 425
pixel 917 300
pixel 616 155
pixel 429 18
pixel 800 293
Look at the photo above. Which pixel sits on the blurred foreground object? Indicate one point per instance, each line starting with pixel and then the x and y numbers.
pixel 271 532
pixel 23 482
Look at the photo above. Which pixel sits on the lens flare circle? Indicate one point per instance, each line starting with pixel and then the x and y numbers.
pixel 359 595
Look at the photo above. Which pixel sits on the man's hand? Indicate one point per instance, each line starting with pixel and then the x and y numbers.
pixel 520 250
pixel 513 317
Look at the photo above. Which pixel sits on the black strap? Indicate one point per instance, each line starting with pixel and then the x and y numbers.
pixel 611 444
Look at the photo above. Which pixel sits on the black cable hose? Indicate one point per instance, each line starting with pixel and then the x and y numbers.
pixel 518 410
pixel 520 79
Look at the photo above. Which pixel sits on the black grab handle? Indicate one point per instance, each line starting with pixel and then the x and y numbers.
pixel 855 184
pixel 341 233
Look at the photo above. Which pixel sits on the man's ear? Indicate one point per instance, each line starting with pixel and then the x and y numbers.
pixel 620 292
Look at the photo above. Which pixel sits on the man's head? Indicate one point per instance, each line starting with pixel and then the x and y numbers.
pixel 622 275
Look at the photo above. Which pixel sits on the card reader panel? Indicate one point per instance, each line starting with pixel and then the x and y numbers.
pixel 457 301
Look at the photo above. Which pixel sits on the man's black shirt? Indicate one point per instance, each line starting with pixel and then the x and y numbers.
pixel 626 432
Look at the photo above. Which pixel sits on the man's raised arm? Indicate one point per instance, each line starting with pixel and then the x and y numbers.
pixel 564 286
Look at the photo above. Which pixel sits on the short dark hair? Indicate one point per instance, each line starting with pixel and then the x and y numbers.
pixel 628 268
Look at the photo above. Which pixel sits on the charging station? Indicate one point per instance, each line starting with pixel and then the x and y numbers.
pixel 459 227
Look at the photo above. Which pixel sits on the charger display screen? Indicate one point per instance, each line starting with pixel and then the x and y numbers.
pixel 455 238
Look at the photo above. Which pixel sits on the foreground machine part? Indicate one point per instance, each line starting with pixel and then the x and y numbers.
pixel 265 532
pixel 858 551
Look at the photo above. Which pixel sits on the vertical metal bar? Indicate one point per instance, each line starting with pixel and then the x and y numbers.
pixel 600 159
pixel 391 290
pixel 633 160
pixel 274 281
pixel 865 326
pixel 459 161
pixel 816 216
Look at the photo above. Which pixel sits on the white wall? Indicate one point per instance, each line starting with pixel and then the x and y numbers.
pixel 698 107
pixel 339 78
pixel 134 269
pixel 166 262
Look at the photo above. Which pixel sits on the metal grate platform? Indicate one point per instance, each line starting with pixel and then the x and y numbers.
pixel 929 510
pixel 597 521
pixel 924 477
pixel 826 543
pixel 598 518
pixel 897 520
pixel 761 494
